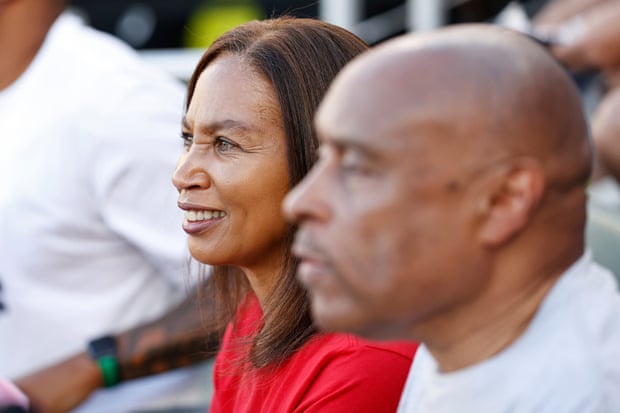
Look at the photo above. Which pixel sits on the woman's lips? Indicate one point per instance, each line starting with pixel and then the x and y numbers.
pixel 195 227
pixel 198 220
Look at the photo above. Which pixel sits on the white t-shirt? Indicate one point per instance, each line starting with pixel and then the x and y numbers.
pixel 567 361
pixel 90 235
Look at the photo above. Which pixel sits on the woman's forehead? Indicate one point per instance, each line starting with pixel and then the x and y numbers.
pixel 229 89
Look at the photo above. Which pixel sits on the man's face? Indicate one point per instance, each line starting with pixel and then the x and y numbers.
pixel 384 219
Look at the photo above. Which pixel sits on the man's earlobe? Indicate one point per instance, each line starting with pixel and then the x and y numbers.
pixel 512 205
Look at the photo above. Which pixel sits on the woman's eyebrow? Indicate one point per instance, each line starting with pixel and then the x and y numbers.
pixel 185 123
pixel 226 124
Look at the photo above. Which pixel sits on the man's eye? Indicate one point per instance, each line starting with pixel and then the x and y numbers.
pixel 223 145
pixel 188 139
pixel 350 168
pixel 355 165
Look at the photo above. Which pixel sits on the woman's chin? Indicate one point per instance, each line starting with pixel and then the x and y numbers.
pixel 206 256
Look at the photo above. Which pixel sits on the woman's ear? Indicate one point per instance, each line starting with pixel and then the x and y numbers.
pixel 509 205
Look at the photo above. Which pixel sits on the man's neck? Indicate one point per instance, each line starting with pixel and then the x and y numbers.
pixel 488 327
pixel 23 27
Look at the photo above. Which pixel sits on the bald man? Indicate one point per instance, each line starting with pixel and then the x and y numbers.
pixel 448 207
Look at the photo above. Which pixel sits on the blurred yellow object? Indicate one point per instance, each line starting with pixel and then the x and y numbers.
pixel 210 21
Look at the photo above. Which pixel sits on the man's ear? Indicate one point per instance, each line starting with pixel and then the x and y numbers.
pixel 509 205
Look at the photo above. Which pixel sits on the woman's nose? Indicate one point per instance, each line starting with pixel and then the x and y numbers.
pixel 190 173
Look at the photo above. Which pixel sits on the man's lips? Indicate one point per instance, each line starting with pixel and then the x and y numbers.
pixel 313 265
pixel 310 273
pixel 305 248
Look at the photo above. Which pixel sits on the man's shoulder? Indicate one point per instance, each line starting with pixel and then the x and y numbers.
pixel 551 378
pixel 566 360
pixel 566 351
pixel 580 321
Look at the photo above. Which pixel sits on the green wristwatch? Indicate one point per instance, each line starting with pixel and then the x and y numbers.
pixel 103 351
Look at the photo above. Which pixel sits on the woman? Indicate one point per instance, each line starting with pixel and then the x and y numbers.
pixel 249 138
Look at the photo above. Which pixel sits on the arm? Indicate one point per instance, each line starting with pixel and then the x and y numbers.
pixel 175 340
pixel 178 339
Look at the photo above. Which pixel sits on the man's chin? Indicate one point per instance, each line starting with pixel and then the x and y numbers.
pixel 328 321
pixel 332 322
pixel 337 321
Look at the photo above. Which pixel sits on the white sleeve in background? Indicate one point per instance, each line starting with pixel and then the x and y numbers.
pixel 129 166
pixel 90 235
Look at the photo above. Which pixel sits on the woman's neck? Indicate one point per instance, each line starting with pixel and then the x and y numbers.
pixel 263 276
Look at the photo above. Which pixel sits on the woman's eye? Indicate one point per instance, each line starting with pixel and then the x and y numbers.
pixel 222 145
pixel 188 139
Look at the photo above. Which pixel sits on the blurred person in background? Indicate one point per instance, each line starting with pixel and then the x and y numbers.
pixel 90 243
pixel 586 37
pixel 585 33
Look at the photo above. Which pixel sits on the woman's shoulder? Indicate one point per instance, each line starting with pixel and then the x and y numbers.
pixel 348 344
pixel 329 354
pixel 342 372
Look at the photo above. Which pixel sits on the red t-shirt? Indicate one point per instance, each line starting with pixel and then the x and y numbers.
pixel 331 373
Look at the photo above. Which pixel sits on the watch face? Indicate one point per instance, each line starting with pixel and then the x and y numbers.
pixel 103 346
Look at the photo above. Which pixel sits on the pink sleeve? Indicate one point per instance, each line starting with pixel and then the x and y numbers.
pixel 11 395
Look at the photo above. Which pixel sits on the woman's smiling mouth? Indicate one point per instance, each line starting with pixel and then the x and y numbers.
pixel 202 215
pixel 198 220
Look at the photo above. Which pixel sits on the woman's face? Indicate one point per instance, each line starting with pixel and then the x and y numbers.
pixel 233 175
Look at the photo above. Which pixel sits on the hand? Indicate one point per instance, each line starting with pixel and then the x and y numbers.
pixel 588 40
pixel 63 386
pixel 557 12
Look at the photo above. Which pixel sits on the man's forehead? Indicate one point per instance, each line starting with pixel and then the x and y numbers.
pixel 379 106
pixel 354 111
pixel 399 96
pixel 406 133
pixel 373 98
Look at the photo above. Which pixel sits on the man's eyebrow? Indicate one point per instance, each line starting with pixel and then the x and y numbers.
pixel 226 124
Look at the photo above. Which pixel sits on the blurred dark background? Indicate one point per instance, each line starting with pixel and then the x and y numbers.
pixel 156 24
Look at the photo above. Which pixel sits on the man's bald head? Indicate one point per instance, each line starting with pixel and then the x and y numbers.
pixel 449 162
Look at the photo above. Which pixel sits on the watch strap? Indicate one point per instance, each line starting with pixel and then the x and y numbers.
pixel 104 352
